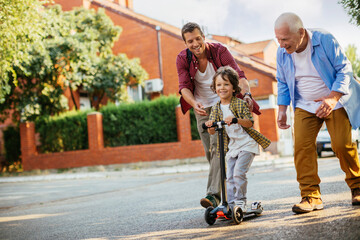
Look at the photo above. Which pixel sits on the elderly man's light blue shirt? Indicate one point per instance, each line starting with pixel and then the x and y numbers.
pixel 333 67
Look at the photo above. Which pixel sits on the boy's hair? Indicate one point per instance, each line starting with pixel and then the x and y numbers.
pixel 190 27
pixel 231 75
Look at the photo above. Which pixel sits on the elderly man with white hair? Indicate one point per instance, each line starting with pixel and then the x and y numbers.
pixel 314 74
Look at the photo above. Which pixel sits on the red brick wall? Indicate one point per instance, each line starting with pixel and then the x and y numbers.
pixel 68 5
pixel 171 46
pixel 137 40
pixel 268 124
pixel 116 155
pixel 265 86
pixel 98 155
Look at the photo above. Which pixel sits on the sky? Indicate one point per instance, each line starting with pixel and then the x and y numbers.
pixel 252 20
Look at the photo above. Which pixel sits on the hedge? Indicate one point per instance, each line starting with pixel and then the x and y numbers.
pixel 65 132
pixel 12 145
pixel 144 122
pixel 140 123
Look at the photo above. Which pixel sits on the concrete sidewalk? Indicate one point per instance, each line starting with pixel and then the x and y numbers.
pixel 138 169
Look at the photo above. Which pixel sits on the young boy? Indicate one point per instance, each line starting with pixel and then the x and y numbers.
pixel 244 140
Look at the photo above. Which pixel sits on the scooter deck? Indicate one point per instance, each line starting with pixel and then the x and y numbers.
pixel 253 211
pixel 256 209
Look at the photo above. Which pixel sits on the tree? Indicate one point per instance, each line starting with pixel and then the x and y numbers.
pixel 75 52
pixel 353 10
pixel 350 52
pixel 20 25
pixel 110 75
pixel 100 73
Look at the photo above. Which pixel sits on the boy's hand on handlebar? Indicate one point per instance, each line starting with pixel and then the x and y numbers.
pixel 209 123
pixel 211 130
pixel 229 120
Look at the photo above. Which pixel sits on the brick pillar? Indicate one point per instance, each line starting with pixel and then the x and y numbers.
pixel 27 139
pixel 183 125
pixel 95 131
pixel 27 143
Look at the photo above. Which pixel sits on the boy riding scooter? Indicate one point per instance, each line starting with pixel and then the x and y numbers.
pixel 241 141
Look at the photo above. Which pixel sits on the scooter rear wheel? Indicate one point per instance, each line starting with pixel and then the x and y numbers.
pixel 209 218
pixel 237 215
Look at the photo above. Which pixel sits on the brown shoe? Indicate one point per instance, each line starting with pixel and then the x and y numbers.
pixel 209 201
pixel 308 204
pixel 355 192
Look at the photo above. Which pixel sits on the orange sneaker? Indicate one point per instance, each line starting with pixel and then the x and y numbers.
pixel 308 204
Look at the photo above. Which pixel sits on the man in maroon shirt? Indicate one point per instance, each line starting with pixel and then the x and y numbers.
pixel 196 66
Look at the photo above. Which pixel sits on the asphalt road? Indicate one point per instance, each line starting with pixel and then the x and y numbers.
pixel 166 206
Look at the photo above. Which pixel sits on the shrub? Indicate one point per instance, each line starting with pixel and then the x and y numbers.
pixel 140 123
pixel 12 145
pixel 144 122
pixel 65 132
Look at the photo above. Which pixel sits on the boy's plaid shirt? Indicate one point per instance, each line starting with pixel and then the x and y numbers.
pixel 240 109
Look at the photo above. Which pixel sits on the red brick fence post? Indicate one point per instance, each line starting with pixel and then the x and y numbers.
pixel 183 126
pixel 27 141
pixel 95 131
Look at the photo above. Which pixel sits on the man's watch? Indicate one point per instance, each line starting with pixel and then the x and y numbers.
pixel 248 94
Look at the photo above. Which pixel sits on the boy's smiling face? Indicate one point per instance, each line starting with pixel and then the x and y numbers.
pixel 224 89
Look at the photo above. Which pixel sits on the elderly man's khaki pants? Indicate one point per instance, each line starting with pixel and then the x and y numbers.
pixel 306 128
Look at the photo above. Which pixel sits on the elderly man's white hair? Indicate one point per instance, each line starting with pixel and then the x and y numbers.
pixel 290 19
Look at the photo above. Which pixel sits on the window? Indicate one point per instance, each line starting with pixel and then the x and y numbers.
pixel 136 93
pixel 84 101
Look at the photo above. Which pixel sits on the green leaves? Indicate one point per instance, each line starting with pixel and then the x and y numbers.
pixel 20 26
pixel 127 124
pixel 65 132
pixel 350 52
pixel 72 51
pixel 353 10
pixel 140 123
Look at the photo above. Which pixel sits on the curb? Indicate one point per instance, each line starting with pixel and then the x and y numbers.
pixel 142 169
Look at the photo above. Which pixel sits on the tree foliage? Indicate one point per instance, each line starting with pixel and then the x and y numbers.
pixel 352 8
pixel 350 52
pixel 75 52
pixel 20 25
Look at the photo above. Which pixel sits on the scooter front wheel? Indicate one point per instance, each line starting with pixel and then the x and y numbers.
pixel 237 215
pixel 209 218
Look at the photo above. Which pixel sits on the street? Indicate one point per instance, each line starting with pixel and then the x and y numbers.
pixel 166 206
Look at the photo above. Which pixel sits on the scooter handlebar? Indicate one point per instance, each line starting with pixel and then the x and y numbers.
pixel 215 124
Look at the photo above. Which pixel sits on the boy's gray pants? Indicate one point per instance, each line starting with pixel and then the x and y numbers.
pixel 236 182
pixel 209 142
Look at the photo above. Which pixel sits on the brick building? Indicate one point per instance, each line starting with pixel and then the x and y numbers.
pixel 157 45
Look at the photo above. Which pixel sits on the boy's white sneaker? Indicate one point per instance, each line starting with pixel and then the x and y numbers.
pixel 241 204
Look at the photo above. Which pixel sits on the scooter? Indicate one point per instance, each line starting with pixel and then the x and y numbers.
pixel 224 211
